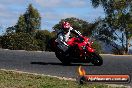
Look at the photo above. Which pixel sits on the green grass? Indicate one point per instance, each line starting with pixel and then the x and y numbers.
pixel 10 79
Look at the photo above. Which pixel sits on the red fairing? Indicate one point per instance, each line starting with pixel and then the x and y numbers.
pixel 87 44
pixel 73 41
pixel 90 49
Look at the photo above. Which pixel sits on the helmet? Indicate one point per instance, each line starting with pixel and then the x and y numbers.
pixel 65 25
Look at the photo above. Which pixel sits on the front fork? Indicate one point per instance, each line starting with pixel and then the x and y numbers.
pixel 86 52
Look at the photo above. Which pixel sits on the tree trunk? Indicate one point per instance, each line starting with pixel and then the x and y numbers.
pixel 123 47
pixel 116 47
pixel 127 43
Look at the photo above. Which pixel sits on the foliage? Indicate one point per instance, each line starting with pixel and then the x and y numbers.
pixel 32 19
pixel 27 22
pixel 43 36
pixel 25 41
pixel 0 41
pixel 118 52
pixel 10 30
pixel 84 27
pixel 96 45
pixel 21 24
pixel 19 41
pixel 118 20
pixel 22 35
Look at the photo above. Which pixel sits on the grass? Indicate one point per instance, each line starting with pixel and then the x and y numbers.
pixel 11 79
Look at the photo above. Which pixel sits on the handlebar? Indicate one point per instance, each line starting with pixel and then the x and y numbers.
pixel 80 38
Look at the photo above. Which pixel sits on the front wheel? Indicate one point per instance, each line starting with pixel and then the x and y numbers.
pixel 96 59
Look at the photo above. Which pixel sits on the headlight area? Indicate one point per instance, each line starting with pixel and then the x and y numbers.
pixel 83 47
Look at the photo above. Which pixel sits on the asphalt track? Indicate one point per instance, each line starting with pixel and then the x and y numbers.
pixel 46 63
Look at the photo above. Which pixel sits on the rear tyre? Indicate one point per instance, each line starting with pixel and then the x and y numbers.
pixel 61 56
pixel 96 59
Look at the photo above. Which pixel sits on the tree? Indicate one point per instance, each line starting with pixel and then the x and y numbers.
pixel 84 27
pixel 32 19
pixel 21 24
pixel 10 30
pixel 19 41
pixel 23 34
pixel 27 22
pixel 43 37
pixel 118 20
pixel 0 41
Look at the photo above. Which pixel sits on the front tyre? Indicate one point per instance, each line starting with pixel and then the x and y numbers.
pixel 96 59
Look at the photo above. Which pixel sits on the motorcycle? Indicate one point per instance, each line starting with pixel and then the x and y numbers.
pixel 80 51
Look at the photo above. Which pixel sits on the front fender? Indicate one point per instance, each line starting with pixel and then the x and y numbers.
pixel 90 49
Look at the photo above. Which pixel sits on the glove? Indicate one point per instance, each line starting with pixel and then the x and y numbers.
pixel 66 44
pixel 81 38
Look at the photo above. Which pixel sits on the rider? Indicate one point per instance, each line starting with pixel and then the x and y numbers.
pixel 64 34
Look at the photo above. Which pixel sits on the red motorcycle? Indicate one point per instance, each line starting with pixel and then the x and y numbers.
pixel 80 51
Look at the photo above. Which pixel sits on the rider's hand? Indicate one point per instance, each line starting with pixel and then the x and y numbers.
pixel 81 38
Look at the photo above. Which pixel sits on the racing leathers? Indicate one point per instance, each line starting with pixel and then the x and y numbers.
pixel 63 37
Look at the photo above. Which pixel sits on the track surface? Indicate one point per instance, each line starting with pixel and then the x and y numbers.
pixel 47 63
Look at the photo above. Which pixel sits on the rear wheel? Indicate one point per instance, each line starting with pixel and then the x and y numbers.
pixel 61 56
pixel 96 59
